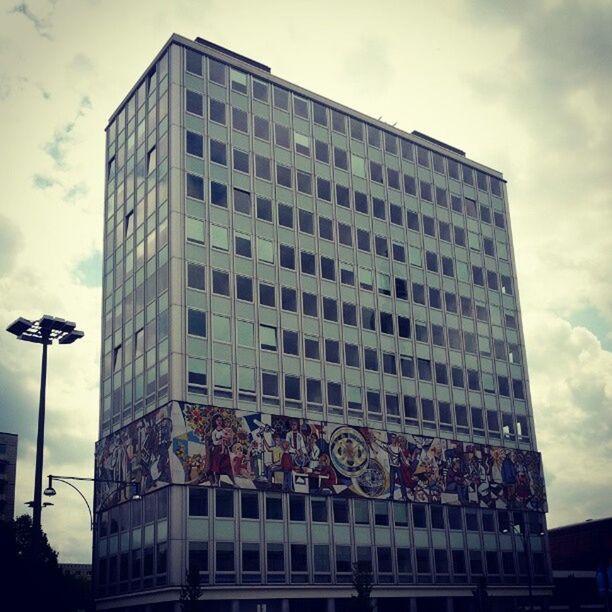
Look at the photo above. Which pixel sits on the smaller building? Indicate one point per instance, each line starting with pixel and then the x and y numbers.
pixel 581 557
pixel 8 469
pixel 77 570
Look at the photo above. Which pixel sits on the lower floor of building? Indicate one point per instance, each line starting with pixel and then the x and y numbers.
pixel 469 599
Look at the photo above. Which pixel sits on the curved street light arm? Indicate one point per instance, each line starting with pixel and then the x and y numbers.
pixel 91 521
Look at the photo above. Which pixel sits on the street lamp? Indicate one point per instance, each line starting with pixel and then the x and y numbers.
pixel 523 529
pixel 45 331
pixel 123 484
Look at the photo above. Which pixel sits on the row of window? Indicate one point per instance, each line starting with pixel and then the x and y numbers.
pixel 379 560
pixel 340 123
pixel 353 356
pixel 246 162
pixel 337 396
pixel 344 511
pixel 348 236
pixel 372 320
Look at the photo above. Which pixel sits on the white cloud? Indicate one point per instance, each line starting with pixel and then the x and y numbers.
pixel 571 386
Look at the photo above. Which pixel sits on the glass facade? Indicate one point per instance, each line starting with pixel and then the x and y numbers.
pixel 269 251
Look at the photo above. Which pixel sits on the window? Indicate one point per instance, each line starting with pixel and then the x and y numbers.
pixel 196 323
pixel 340 510
pixel 338 122
pixel 262 168
pixel 283 176
pixel 340 158
pixel 311 348
pixel 242 245
pixel 267 337
pixel 287 257
pixel 288 299
pixel 217 111
pixel 305 221
pixel 290 342
pixel 220 282
pixel 193 102
pixel 285 215
pixel 332 351
pixel 330 309
pixel 264 209
pixel 269 384
pixel 249 504
pixel 195 187
pixel 361 511
pixel 244 288
pixel 274 507
pixel 424 368
pixel 194 144
pixel 304 182
pixel 224 503
pixel 218 194
pixel 240 120
pixel 309 304
pixel 275 558
pixel 322 151
pixel 319 114
pixel 198 501
pixel 307 263
pixel 267 294
pixel 323 189
pixel 196 276
pixel 342 196
pixel 345 235
pixel 318 509
pixel 261 128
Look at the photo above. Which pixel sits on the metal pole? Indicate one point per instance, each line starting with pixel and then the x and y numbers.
pixel 527 545
pixel 40 443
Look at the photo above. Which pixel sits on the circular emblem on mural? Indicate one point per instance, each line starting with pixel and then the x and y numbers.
pixel 349 452
pixel 373 481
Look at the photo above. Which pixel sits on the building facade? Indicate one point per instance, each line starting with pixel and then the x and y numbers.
pixel 581 561
pixel 312 355
pixel 8 472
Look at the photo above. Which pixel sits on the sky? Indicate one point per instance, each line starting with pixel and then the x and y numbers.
pixel 521 86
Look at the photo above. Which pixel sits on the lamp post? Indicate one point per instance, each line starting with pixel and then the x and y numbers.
pixel 45 331
pixel 123 484
pixel 524 531
pixel 97 510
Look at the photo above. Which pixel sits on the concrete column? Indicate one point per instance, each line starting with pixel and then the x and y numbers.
pixel 235 605
pixel 413 605
pixel 449 604
pixel 374 604
pixel 285 605
pixel 331 605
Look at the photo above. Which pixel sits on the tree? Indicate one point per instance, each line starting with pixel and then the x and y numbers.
pixel 191 591
pixel 481 597
pixel 363 584
pixel 31 574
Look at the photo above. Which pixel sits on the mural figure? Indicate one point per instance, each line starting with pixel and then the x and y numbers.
pixel 203 445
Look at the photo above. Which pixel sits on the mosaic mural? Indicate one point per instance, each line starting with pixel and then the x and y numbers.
pixel 203 445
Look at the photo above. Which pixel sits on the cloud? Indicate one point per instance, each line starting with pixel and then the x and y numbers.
pixel 40 25
pixel 89 270
pixel 571 386
pixel 57 147
pixel 42 182
pixel 11 240
pixel 76 191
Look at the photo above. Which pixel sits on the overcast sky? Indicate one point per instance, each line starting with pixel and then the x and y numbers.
pixel 523 87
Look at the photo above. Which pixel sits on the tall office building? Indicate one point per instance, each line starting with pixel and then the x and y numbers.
pixel 312 356
pixel 8 470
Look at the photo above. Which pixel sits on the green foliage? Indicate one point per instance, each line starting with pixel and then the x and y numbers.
pixel 191 591
pixel 363 584
pixel 34 580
